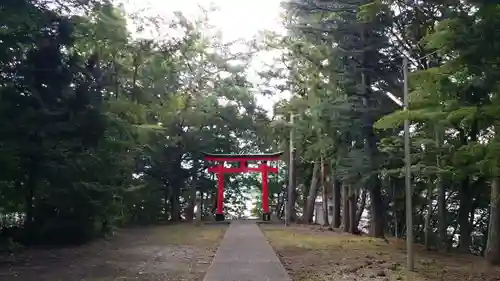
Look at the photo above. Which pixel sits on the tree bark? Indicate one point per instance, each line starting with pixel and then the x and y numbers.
pixel 492 251
pixel 213 201
pixel 463 216
pixel 428 217
pixel 166 201
pixel 279 205
pixel 395 207
pixel 345 207
pixel 191 203
pixel 29 206
pixel 442 224
pixel 377 210
pixel 304 191
pixel 325 194
pixel 336 202
pixel 192 193
pixel 377 206
pixel 353 227
pixel 311 198
pixel 175 208
pixel 361 208
pixel 465 196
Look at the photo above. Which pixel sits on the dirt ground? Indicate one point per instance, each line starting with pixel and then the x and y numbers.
pixel 176 252
pixel 312 253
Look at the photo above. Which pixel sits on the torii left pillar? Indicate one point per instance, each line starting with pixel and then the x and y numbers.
pixel 219 171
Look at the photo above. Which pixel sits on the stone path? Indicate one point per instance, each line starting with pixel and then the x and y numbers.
pixel 245 255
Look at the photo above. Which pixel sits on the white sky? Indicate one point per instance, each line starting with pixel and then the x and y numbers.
pixel 236 19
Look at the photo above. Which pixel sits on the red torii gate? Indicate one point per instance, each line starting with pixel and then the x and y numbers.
pixel 242 160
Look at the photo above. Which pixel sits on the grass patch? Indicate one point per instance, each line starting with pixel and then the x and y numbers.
pixel 310 253
pixel 188 234
pixel 283 238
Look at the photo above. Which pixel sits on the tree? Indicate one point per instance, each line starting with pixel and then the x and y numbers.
pixel 100 129
pixel 339 61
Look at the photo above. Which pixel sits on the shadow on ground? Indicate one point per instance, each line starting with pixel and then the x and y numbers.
pixel 312 253
pixel 176 252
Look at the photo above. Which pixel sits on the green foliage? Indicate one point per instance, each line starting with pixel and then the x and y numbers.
pixel 100 129
pixel 341 59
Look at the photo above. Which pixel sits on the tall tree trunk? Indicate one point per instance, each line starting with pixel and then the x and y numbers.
pixel 315 215
pixel 353 227
pixel 192 193
pixel 442 224
pixel 175 208
pixel 325 194
pixel 336 202
pixel 135 73
pixel 345 207
pixel 116 76
pixel 395 207
pixel 304 190
pixel 28 201
pixel 377 223
pixel 191 204
pixel 463 216
pixel 311 198
pixel 428 217
pixel 279 205
pixel 485 234
pixel 299 202
pixel 280 209
pixel 166 200
pixel 361 208
pixel 294 211
pixel 305 197
pixel 213 201
pixel 465 196
pixel 377 210
pixel 492 251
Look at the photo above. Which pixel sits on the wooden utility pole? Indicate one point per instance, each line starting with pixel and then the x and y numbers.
pixel 291 174
pixel 409 193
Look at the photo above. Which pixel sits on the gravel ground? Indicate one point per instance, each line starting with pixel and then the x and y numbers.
pixel 176 252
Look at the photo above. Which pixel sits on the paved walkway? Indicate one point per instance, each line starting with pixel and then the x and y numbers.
pixel 245 255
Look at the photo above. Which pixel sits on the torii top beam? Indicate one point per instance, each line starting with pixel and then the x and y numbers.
pixel 242 157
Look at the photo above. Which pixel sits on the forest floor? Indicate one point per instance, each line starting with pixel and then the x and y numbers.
pixel 314 253
pixel 175 252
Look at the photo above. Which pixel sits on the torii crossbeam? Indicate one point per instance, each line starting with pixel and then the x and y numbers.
pixel 242 159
